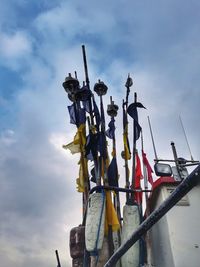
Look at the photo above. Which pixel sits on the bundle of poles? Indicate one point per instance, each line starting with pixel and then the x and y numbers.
pixel 91 142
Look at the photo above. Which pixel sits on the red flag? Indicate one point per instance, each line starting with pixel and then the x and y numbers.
pixel 138 177
pixel 148 167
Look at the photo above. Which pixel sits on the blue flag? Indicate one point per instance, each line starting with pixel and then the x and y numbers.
pixel 113 173
pixel 132 111
pixel 96 114
pixel 77 116
pixel 110 133
pixel 72 115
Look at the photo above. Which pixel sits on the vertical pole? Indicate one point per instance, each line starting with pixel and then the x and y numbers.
pixel 176 159
pixel 58 260
pixel 134 152
pixel 147 236
pixel 87 82
pixel 82 159
pixel 186 139
pixel 154 148
pixel 125 135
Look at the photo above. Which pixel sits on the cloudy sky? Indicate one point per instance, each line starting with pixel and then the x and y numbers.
pixel 158 42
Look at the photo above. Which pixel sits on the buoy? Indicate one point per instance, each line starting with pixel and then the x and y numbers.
pixel 131 220
pixel 94 229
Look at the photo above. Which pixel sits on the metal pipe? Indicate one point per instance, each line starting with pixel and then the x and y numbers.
pixel 172 160
pixel 116 189
pixel 182 189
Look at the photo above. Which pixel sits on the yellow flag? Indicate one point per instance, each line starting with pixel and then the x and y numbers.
pixel 111 215
pixel 82 180
pixel 126 150
pixel 72 147
pixel 79 141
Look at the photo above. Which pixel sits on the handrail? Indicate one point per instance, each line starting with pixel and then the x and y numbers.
pixel 181 190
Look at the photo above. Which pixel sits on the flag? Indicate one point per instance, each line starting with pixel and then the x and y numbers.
pixel 79 141
pixel 110 133
pixel 101 145
pixel 86 105
pixel 91 146
pixel 112 173
pixel 132 111
pixel 138 177
pixel 77 115
pixel 102 114
pixel 93 175
pixel 72 114
pixel 83 175
pixel 148 167
pixel 111 215
pixel 96 114
pixel 127 152
pixel 74 148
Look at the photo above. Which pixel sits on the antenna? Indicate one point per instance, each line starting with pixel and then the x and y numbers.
pixel 154 148
pixel 58 260
pixel 186 138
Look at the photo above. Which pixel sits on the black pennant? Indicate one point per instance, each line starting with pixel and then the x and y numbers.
pixel 132 111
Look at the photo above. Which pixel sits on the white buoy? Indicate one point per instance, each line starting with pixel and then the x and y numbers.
pixel 95 221
pixel 131 220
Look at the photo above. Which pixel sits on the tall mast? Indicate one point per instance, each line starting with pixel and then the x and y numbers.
pixel 134 150
pixel 152 138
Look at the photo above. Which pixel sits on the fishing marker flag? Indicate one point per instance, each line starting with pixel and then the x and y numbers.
pixel 72 114
pixel 127 151
pixel 83 175
pixel 78 116
pixel 148 167
pixel 111 215
pixel 132 111
pixel 112 173
pixel 96 114
pixel 138 177
pixel 110 133
pixel 78 142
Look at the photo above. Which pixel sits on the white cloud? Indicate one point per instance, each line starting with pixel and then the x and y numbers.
pixel 15 50
pixel 14 45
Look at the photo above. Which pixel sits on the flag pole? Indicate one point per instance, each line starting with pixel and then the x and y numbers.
pixel 87 82
pixel 112 112
pixel 126 153
pixel 101 89
pixel 71 86
pixel 134 152
pixel 91 125
pixel 147 212
pixel 145 177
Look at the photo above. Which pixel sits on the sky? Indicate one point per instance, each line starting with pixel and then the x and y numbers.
pixel 157 42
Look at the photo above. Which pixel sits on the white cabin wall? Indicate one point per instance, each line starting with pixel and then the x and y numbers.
pixel 176 237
